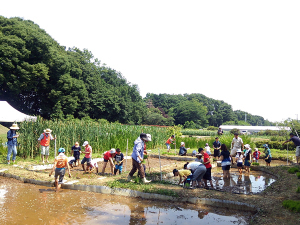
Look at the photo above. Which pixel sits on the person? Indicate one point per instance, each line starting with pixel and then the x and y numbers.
pixel 108 157
pixel 137 157
pixel 268 156
pixel 256 154
pixel 60 164
pixel 76 150
pixel 44 141
pixel 12 141
pixel 239 160
pixel 71 161
pixel 88 154
pixel 170 141
pixel 208 166
pixel 184 175
pixel 182 149
pixel 236 144
pixel 194 153
pixel 145 157
pixel 119 157
pixel 207 149
pixel 198 170
pixel 217 146
pixel 248 157
pixel 92 166
pixel 199 157
pixel 296 141
pixel 220 131
pixel 225 161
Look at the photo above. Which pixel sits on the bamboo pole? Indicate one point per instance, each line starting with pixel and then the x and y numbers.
pixel 126 157
pixel 159 165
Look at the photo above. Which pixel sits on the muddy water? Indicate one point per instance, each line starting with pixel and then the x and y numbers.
pixel 22 203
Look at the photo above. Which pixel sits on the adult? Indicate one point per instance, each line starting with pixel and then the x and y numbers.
pixel 268 155
pixel 88 155
pixel 137 157
pixel 198 170
pixel 44 141
pixel 296 141
pixel 60 164
pixel 236 144
pixel 206 162
pixel 12 141
pixel 182 149
pixel 76 150
pixel 225 161
pixel 170 141
pixel 248 157
pixel 217 146
pixel 108 157
pixel 220 131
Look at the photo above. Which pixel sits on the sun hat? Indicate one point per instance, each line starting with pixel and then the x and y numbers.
pixel 256 149
pixel 47 131
pixel 112 151
pixel 182 143
pixel 265 146
pixel 61 150
pixel 149 137
pixel 206 144
pixel 247 146
pixel 85 143
pixel 14 127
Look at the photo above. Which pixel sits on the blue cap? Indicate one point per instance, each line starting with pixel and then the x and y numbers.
pixel 61 150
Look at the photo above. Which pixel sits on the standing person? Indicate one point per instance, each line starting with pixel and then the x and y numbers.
pixel 12 141
pixel 256 155
pixel 119 157
pixel 88 155
pixel 108 157
pixel 208 166
pixel 60 164
pixel 182 149
pixel 145 156
pixel 248 157
pixel 170 141
pixel 239 160
pixel 44 141
pixel 217 146
pixel 76 150
pixel 268 156
pixel 236 144
pixel 296 141
pixel 198 170
pixel 226 161
pixel 137 157
pixel 207 149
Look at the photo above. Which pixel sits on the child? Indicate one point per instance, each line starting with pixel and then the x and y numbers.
pixel 71 160
pixel 92 166
pixel 239 160
pixel 108 157
pixel 256 154
pixel 182 149
pixel 185 174
pixel 88 154
pixel 248 157
pixel 207 149
pixel 119 157
pixel 76 150
pixel 170 141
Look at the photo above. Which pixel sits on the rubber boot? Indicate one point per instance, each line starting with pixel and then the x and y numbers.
pixel 145 181
pixel 129 178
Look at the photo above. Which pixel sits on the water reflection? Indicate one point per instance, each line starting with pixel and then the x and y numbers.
pixel 25 204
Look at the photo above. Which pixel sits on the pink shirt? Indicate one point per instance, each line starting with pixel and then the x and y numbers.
pixel 88 149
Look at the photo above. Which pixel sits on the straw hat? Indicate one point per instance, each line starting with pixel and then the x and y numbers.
pixel 14 127
pixel 47 131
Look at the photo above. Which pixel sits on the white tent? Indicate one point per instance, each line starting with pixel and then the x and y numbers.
pixel 10 114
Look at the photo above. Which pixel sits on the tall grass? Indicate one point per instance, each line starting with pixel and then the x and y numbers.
pixel 101 136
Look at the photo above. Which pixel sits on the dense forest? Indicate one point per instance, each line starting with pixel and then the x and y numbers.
pixel 40 77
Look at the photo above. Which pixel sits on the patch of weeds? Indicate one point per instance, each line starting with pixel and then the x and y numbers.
pixel 164 192
pixel 293 170
pixel 168 153
pixel 298 190
pixel 255 164
pixel 292 205
pixel 298 175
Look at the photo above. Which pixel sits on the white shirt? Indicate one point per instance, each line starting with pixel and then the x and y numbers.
pixel 193 166
pixel 237 142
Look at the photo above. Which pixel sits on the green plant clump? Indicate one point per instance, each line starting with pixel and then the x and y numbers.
pixel 292 205
pixel 293 170
pixel 255 164
pixel 298 190
pixel 298 175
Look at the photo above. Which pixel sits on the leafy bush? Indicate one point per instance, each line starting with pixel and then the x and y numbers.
pixel 275 144
pixel 292 205
pixel 293 170
pixel 298 175
pixel 298 190
pixel 255 164
pixel 212 128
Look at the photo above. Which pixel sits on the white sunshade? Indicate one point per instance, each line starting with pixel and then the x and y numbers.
pixel 10 114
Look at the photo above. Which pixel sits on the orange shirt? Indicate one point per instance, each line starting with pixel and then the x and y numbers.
pixel 61 161
pixel 169 141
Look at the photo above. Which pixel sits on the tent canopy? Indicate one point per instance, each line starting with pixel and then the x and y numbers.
pixel 10 114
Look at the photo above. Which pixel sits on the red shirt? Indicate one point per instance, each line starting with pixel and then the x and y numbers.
pixel 107 155
pixel 206 159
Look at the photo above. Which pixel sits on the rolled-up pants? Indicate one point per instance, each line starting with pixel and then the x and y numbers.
pixel 137 166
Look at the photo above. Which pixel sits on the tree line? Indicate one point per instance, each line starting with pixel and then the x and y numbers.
pixel 40 77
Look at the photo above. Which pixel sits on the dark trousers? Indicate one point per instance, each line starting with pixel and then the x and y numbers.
pixel 137 166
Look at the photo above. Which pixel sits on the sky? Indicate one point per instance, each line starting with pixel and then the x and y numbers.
pixel 245 53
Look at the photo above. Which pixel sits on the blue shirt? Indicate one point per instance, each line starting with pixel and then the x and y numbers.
pixel 217 144
pixel 10 140
pixel 138 149
pixel 268 153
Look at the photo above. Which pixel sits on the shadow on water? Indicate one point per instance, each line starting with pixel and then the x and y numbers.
pixel 22 203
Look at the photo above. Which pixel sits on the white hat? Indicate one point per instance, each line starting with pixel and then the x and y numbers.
pixel 85 143
pixel 239 150
pixel 47 131
pixel 182 143
pixel 14 127
pixel 112 151
pixel 149 137
pixel 247 146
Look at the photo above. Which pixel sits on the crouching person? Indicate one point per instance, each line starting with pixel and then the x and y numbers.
pixel 185 177
pixel 137 157
pixel 60 164
pixel 198 169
